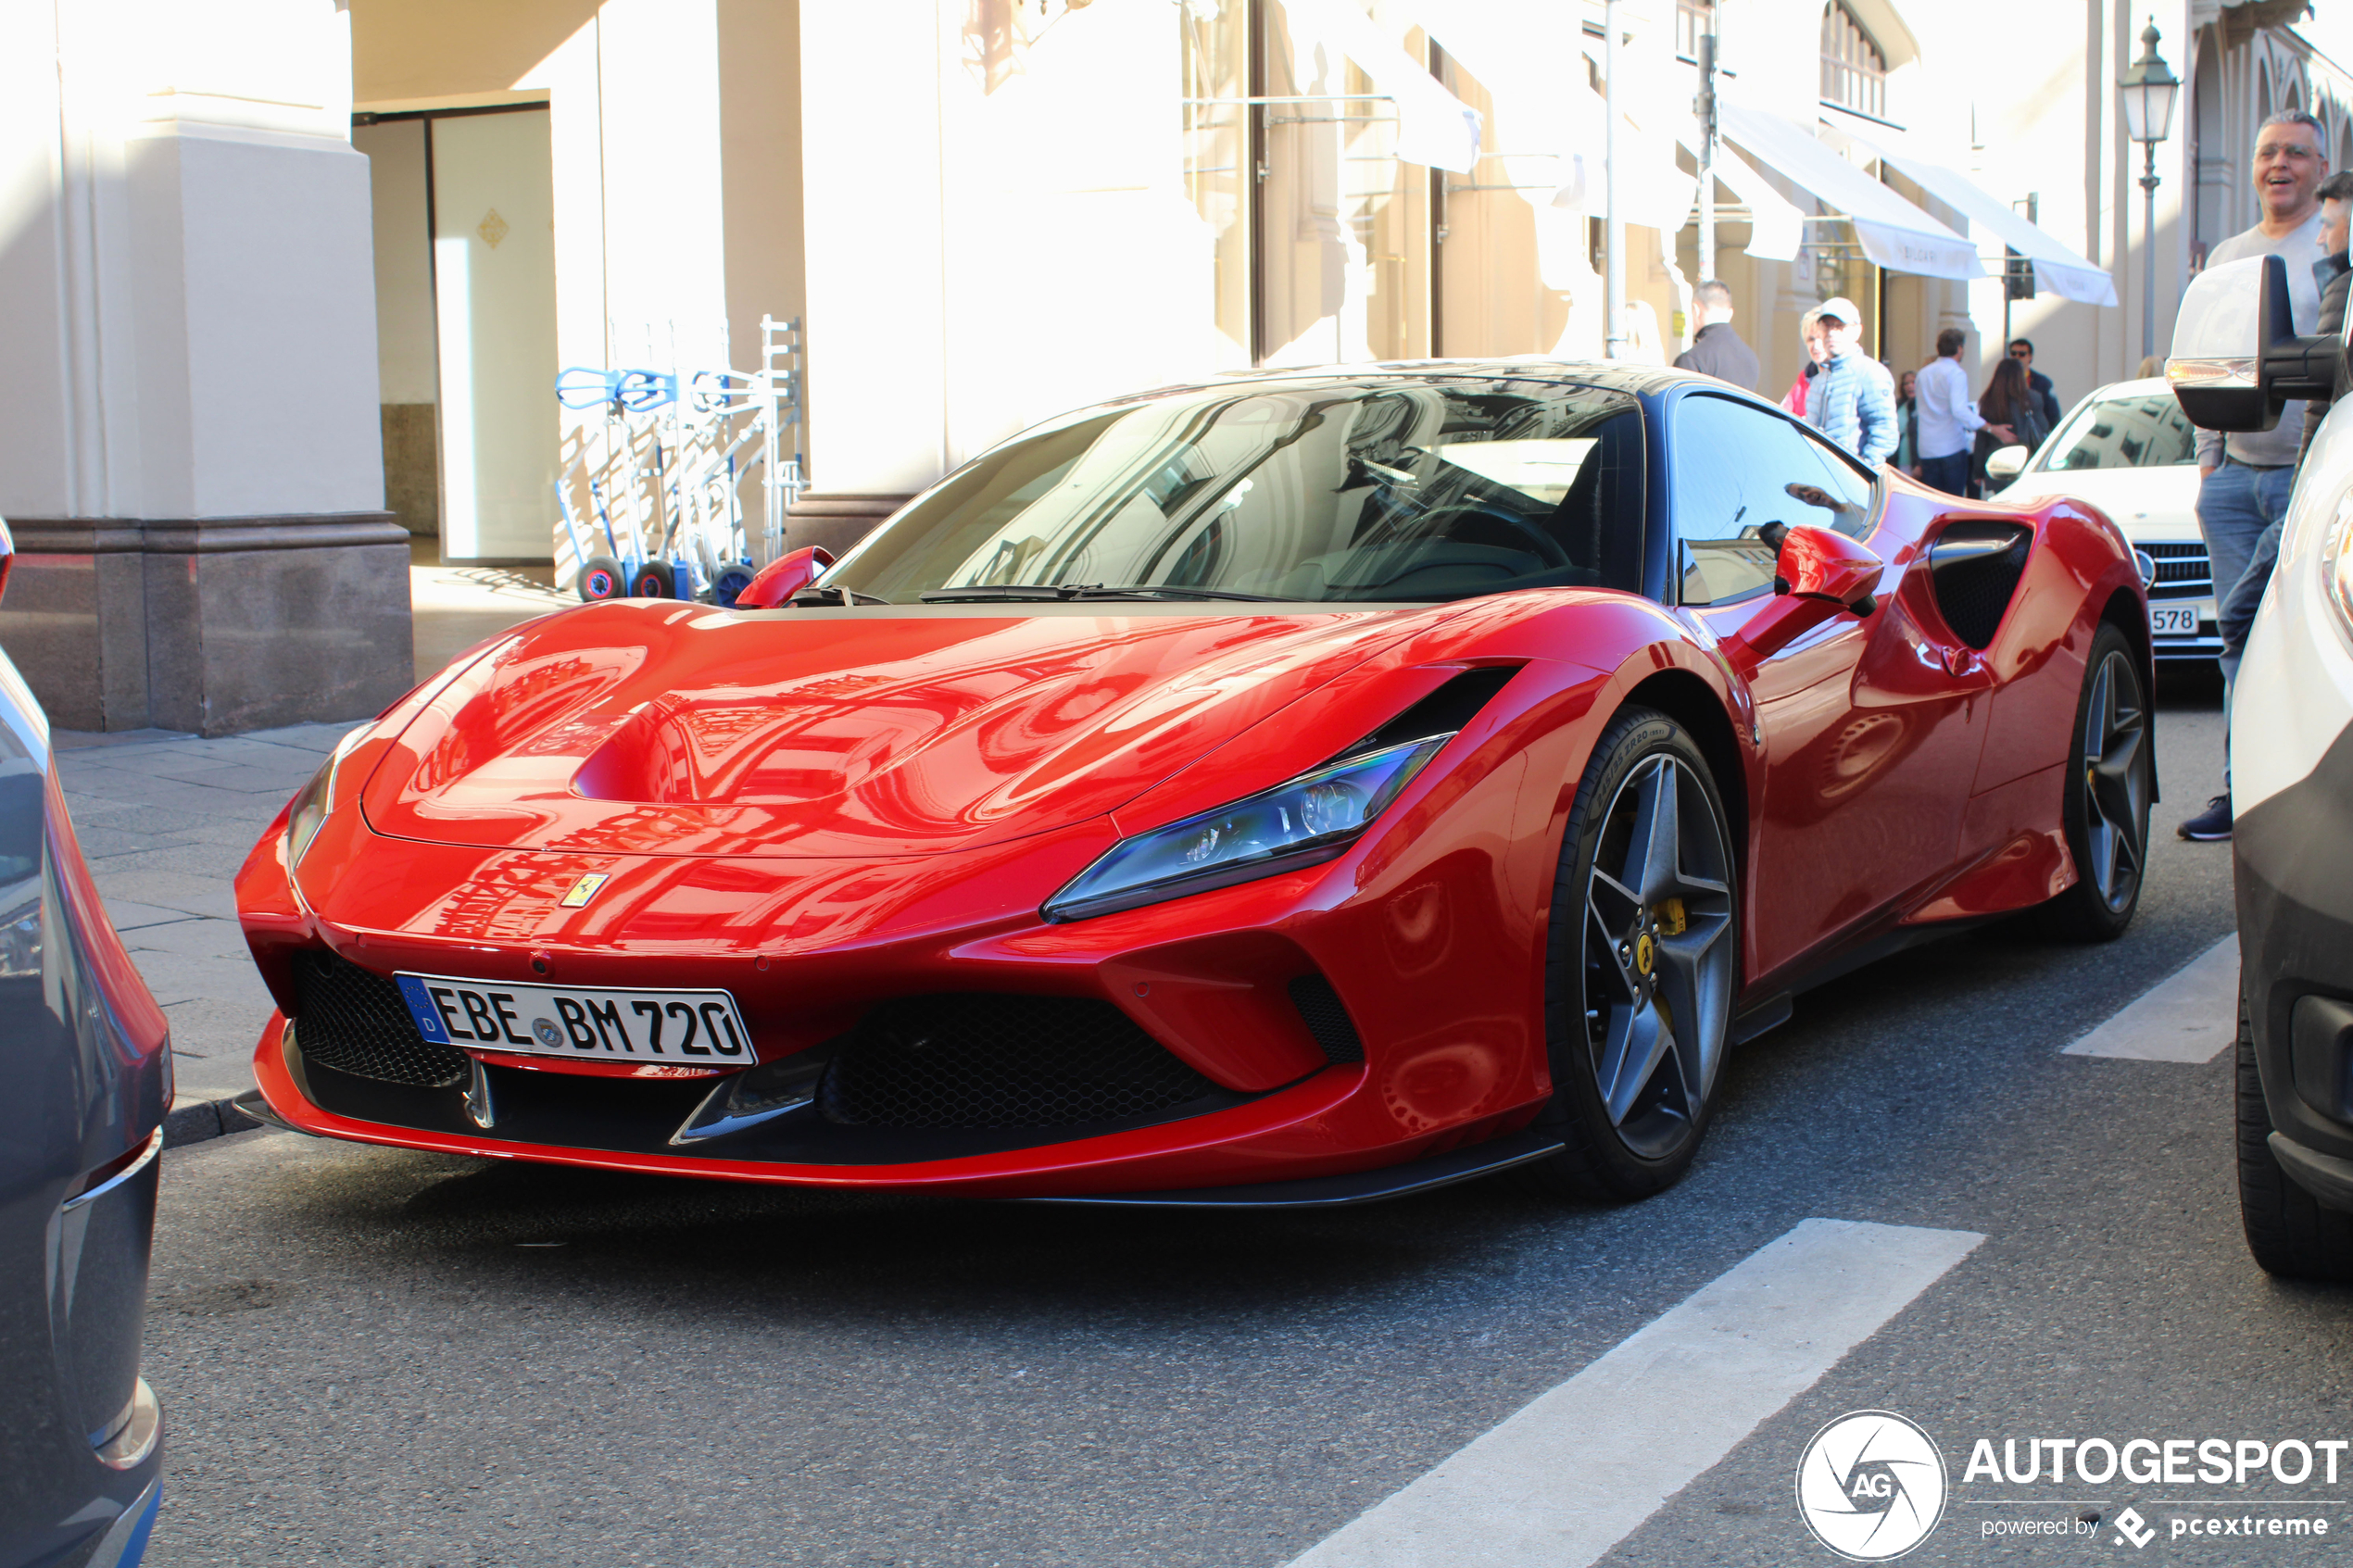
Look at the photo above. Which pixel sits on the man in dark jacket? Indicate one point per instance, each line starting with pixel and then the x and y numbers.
pixel 2335 273
pixel 2037 383
pixel 1716 349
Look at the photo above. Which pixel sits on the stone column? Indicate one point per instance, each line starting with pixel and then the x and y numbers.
pixel 190 456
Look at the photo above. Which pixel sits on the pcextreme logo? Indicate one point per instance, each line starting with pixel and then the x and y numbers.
pixel 1870 1486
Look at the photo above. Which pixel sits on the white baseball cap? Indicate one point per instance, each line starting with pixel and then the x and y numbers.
pixel 1842 307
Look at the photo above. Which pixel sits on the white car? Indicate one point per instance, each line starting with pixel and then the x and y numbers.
pixel 2234 362
pixel 2127 451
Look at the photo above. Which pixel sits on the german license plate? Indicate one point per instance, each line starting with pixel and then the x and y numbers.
pixel 681 1026
pixel 2172 620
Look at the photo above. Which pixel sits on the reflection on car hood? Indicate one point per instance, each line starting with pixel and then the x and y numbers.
pixel 686 730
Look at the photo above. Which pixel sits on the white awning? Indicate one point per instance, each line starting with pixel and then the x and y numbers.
pixel 1892 231
pixel 1553 133
pixel 2056 268
pixel 1433 126
pixel 1775 228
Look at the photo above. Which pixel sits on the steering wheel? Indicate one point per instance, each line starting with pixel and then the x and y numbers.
pixel 1439 520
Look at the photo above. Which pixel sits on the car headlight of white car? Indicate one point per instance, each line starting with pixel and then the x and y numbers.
pixel 2336 563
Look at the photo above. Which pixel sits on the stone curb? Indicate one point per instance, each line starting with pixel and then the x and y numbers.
pixel 197 1121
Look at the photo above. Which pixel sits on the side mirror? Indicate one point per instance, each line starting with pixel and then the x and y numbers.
pixel 1819 573
pixel 784 577
pixel 1819 564
pixel 2236 359
pixel 2006 463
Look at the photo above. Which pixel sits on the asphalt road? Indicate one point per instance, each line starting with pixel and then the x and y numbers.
pixel 376 1356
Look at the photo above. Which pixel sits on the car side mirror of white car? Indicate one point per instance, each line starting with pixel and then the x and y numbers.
pixel 2236 359
pixel 2005 463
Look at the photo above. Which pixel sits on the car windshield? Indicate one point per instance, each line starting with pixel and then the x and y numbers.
pixel 2145 430
pixel 1371 490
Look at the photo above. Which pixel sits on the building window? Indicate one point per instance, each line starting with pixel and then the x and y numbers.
pixel 1854 71
pixel 1693 19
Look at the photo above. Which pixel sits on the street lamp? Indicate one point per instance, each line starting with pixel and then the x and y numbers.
pixel 2150 89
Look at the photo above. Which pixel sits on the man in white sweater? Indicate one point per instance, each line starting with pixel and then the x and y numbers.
pixel 2245 478
pixel 1948 418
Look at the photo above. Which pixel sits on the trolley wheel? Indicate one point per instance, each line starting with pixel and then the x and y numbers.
pixel 729 585
pixel 655 579
pixel 599 579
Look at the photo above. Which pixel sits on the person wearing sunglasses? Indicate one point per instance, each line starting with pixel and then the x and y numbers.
pixel 2037 383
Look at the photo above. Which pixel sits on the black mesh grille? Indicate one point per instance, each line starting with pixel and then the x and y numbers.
pixel 982 1062
pixel 356 1023
pixel 1319 1005
pixel 2180 566
pixel 1976 568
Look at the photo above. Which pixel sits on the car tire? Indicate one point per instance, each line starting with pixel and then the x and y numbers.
pixel 2106 808
pixel 2287 1229
pixel 1628 949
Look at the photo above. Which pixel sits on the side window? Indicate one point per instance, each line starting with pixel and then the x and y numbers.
pixel 1738 468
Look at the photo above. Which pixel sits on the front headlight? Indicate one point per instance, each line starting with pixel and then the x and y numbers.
pixel 308 812
pixel 1312 818
pixel 20 933
pixel 2337 564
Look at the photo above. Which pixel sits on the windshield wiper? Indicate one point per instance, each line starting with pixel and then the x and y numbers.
pixel 1056 592
pixel 1163 591
pixel 1046 592
pixel 818 598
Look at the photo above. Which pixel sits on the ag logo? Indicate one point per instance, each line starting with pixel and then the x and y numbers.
pixel 1870 1486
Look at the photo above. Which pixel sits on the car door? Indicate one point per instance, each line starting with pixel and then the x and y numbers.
pixel 1870 727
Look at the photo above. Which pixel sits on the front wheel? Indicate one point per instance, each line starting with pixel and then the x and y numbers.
pixel 2105 810
pixel 1641 964
pixel 2290 1234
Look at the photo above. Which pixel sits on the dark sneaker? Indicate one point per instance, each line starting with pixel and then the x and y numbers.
pixel 2212 825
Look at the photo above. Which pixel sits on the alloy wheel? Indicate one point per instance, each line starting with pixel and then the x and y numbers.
pixel 2116 787
pixel 1658 958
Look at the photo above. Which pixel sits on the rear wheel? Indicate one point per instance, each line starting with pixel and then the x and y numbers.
pixel 2289 1231
pixel 2107 806
pixel 1639 965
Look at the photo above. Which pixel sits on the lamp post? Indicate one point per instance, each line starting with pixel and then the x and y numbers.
pixel 1613 227
pixel 2150 89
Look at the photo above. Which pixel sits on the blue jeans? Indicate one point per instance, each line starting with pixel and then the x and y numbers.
pixel 2234 611
pixel 1948 473
pixel 2239 510
pixel 2235 507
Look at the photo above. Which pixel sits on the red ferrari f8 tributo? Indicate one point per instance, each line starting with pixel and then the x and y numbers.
pixel 1288 791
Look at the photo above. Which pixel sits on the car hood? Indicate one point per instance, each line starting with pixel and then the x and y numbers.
pixel 641 729
pixel 2151 502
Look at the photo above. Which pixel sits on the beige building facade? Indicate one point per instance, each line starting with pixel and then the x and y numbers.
pixel 391 223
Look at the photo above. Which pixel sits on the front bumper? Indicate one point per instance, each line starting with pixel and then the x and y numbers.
pixel 2294 863
pixel 1313 1131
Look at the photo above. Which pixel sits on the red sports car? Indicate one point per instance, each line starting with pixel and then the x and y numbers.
pixel 1285 791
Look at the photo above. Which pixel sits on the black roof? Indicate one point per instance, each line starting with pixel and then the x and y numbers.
pixel 1609 375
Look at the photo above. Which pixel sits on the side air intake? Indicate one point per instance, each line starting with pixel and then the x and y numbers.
pixel 1320 1009
pixel 1975 568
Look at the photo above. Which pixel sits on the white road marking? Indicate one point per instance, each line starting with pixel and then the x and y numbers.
pixel 2193 1016
pixel 1579 1468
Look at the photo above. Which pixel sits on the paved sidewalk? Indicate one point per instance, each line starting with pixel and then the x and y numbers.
pixel 165 821
pixel 166 818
